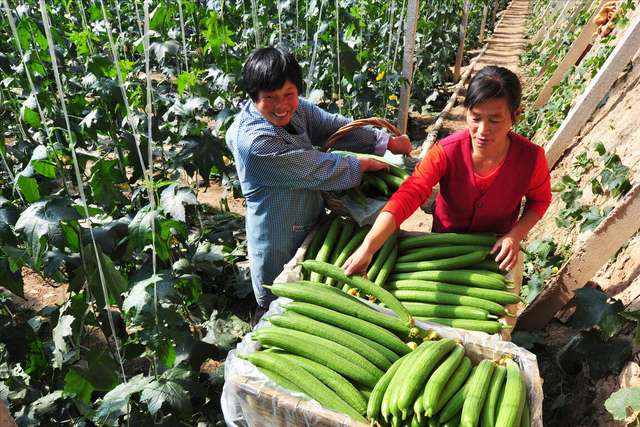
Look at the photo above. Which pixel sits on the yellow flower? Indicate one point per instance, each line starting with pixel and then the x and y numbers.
pixel 335 96
pixel 226 160
pixel 380 76
pixel 393 98
pixel 555 270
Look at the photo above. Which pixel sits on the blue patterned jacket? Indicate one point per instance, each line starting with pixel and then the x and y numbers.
pixel 282 175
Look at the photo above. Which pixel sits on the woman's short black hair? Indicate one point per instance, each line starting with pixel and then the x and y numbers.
pixel 268 69
pixel 494 82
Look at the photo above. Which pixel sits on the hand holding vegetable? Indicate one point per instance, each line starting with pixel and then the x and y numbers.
pixel 370 165
pixel 399 145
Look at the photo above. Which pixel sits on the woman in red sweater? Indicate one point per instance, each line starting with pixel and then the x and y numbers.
pixel 484 173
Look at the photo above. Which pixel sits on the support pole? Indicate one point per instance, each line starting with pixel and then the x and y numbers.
pixel 407 64
pixel 463 33
pixel 484 23
pixel 593 94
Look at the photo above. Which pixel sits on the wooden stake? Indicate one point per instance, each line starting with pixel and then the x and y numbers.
pixel 597 89
pixel 545 26
pixel 407 64
pixel 605 241
pixel 484 23
pixel 463 31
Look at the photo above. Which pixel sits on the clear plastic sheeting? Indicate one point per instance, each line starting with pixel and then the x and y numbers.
pixel 250 398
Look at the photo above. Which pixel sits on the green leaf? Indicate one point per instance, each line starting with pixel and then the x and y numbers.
pixel 603 357
pixel 42 219
pixel 622 399
pixel 29 188
pixel 101 66
pixel 140 226
pixel 173 199
pixel 62 330
pixel 24 347
pixel 594 309
pixel 199 155
pixel 115 401
pixel 526 339
pixel 599 147
pixel 175 387
pixel 163 348
pixel 29 111
pixel 100 375
pixel 594 217
pixel 104 182
pixel 633 315
pixel 11 280
pixel 566 357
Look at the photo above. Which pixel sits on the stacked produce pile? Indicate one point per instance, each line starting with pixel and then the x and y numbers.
pixel 374 367
pixel 449 279
pixel 378 185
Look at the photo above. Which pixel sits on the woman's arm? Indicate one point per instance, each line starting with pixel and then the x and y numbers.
pixel 382 228
pixel 508 246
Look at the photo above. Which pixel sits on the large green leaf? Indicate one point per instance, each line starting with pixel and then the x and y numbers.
pixel 199 155
pixel 29 111
pixel 594 217
pixel 104 182
pixel 24 347
pixel 162 346
pixel 11 279
pixel 175 387
pixel 100 375
pixel 173 199
pixel 635 316
pixel 594 309
pixel 42 219
pixel 60 332
pixel 622 399
pixel 115 401
pixel 140 226
pixel 603 357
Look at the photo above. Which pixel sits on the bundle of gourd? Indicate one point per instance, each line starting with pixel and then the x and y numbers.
pixel 605 18
pixel 379 185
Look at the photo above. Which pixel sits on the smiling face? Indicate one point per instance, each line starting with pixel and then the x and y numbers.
pixel 489 123
pixel 279 105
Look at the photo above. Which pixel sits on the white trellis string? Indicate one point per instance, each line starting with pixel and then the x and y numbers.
pixel 83 15
pixel 256 22
pixel 54 65
pixel 315 51
pixel 135 5
pixel 395 52
pixel 390 42
pixel 279 22
pixel 184 41
pixel 152 200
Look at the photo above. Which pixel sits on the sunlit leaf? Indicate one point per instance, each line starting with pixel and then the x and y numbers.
pixel 60 332
pixel 116 400
pixel 29 111
pixel 622 399
pixel 140 226
pixel 173 199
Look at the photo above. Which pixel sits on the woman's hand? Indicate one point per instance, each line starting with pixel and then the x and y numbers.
pixel 370 165
pixel 400 145
pixel 358 262
pixel 507 249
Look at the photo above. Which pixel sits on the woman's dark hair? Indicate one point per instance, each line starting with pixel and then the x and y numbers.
pixel 494 82
pixel 268 69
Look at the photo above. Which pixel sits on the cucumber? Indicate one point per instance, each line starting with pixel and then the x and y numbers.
pixel 318 238
pixel 312 292
pixel 382 256
pixel 501 297
pixel 284 339
pixel 454 405
pixel 434 239
pixel 488 326
pixel 488 415
pixel 418 309
pixel 453 422
pixel 351 323
pixel 420 369
pixel 525 420
pixel 357 195
pixel 453 263
pixel 327 246
pixel 478 388
pixel 490 265
pixel 343 388
pixel 347 305
pixel 436 382
pixel 385 271
pixel 393 168
pixel 375 400
pixel 440 252
pixel 349 249
pixel 388 354
pixel 364 285
pixel 298 322
pixel 376 182
pixel 457 379
pixel 450 299
pixel 307 382
pixel 511 405
pixel 280 380
pixel 458 277
pixel 392 181
pixel 346 233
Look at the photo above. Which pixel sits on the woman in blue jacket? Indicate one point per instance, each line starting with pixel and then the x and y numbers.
pixel 274 140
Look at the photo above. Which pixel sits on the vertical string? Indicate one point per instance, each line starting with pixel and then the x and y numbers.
pixel 279 22
pixel 256 22
pixel 400 26
pixel 315 51
pixel 184 40
pixel 338 45
pixel 54 65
